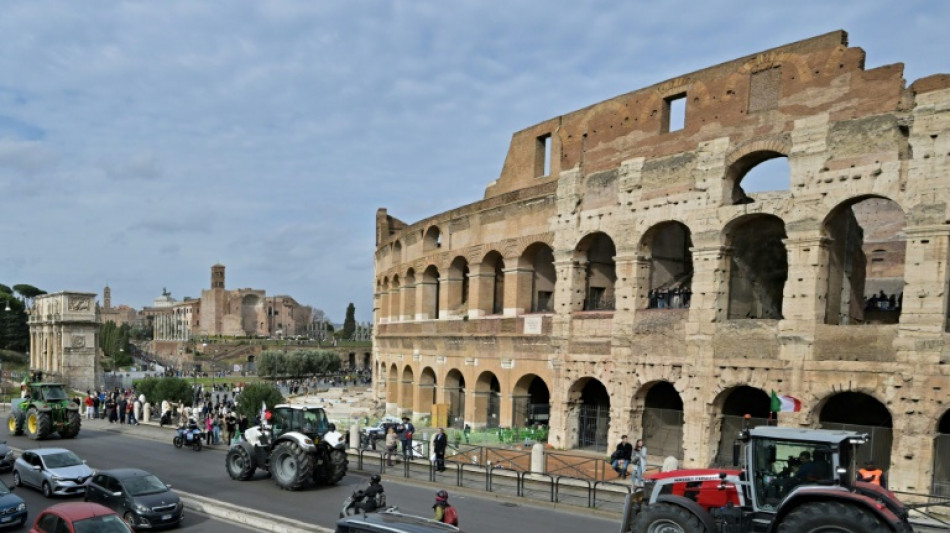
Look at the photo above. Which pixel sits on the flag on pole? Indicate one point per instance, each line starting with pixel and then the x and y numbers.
pixel 785 404
pixel 264 410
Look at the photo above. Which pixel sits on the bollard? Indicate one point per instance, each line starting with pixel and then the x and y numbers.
pixel 537 457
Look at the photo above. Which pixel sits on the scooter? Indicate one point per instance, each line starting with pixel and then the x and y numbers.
pixel 349 504
pixel 190 435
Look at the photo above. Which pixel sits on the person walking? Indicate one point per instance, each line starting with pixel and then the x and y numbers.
pixel 439 443
pixel 391 443
pixel 620 459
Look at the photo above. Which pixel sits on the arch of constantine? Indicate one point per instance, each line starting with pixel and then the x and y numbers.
pixel 630 272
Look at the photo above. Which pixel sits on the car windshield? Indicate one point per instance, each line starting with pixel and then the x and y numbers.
pixel 110 523
pixel 53 394
pixel 61 460
pixel 142 485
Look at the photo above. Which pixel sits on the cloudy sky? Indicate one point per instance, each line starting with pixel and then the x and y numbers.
pixel 142 142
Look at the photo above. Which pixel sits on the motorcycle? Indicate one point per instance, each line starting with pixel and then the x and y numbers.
pixel 190 436
pixel 349 504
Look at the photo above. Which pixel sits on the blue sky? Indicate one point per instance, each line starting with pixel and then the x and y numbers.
pixel 142 142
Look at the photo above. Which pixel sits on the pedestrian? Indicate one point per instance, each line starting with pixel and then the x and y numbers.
pixel 406 437
pixel 216 429
pixel 444 512
pixel 89 405
pixel 209 429
pixel 639 461
pixel 231 426
pixel 391 445
pixel 439 442
pixel 620 459
pixel 123 406
pixel 130 414
pixel 872 474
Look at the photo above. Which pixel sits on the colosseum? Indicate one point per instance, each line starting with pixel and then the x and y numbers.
pixel 659 263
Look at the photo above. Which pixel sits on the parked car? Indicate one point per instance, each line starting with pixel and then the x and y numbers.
pixel 378 432
pixel 6 457
pixel 79 517
pixel 52 470
pixel 142 499
pixel 391 521
pixel 12 507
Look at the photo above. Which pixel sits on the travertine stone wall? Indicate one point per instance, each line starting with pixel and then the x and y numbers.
pixel 64 338
pixel 848 133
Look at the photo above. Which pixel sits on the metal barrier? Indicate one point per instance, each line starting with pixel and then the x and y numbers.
pixel 625 489
pixel 580 482
pixel 592 468
pixel 473 468
pixel 503 474
pixel 522 482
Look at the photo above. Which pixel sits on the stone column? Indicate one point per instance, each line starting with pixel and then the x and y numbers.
pixel 518 286
pixel 805 295
pixel 481 290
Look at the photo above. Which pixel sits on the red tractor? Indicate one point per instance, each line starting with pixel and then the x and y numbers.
pixel 794 481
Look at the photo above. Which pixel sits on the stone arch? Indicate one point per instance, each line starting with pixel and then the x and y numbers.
pixel 537 264
pixel 454 387
pixel 588 414
pixel 395 302
pixel 407 296
pixel 861 412
pixel 758 266
pixel 428 386
pixel 732 405
pixel 940 484
pixel 530 401
pixel 662 418
pixel 746 157
pixel 458 286
pixel 667 248
pixel 865 251
pixel 493 283
pixel 428 293
pixel 432 239
pixel 396 257
pixel 487 400
pixel 405 393
pixel 596 253
pixel 392 385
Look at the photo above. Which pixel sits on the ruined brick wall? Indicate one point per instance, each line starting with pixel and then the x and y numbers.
pixel 619 172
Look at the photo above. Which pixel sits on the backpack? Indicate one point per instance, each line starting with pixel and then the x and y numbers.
pixel 449 516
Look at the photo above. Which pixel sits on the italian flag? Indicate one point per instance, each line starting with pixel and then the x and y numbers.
pixel 785 404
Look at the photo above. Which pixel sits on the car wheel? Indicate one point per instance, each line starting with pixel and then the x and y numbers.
pixel 47 490
pixel 16 479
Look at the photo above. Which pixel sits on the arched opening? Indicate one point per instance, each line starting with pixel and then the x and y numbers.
pixel 458 280
pixel 429 293
pixel 250 313
pixel 493 266
pixel 596 252
pixel 487 400
pixel 589 406
pixel 396 257
pixel 866 252
pixel 367 360
pixel 405 396
pixel 738 402
pixel 352 361
pixel 758 267
pixel 392 385
pixel 395 303
pixel 760 171
pixel 662 420
pixel 538 259
pixel 530 402
pixel 941 476
pixel 432 240
pixel 455 397
pixel 427 391
pixel 408 296
pixel 856 411
pixel 667 246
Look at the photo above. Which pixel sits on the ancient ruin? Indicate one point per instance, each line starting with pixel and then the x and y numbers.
pixel 64 339
pixel 633 271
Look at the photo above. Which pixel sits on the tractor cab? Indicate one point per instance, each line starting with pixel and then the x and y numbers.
pixel 312 422
pixel 48 392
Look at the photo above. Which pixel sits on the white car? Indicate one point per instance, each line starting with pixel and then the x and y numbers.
pixel 52 470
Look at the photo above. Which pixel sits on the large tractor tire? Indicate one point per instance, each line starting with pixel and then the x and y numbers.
pixel 15 424
pixel 290 466
pixel 38 425
pixel 240 464
pixel 667 518
pixel 73 421
pixel 337 467
pixel 830 517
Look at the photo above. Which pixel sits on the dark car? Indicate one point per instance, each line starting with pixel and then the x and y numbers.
pixel 7 457
pixel 143 500
pixel 79 517
pixel 12 507
pixel 390 522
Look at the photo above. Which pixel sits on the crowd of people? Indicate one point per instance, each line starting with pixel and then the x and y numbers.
pixel 670 298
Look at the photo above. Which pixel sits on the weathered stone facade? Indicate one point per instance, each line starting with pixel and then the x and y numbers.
pixel 633 285
pixel 64 339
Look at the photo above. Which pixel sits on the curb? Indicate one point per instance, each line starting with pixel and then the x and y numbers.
pixel 244 516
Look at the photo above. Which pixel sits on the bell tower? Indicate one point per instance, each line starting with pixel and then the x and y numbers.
pixel 217 276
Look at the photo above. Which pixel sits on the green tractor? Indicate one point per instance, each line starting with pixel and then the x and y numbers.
pixel 45 410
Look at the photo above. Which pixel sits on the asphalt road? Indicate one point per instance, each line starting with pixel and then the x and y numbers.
pixel 203 473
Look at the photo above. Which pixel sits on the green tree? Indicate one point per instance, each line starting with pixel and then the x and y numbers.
pixel 349 323
pixel 28 292
pixel 254 395
pixel 14 328
pixel 114 342
pixel 175 390
pixel 5 289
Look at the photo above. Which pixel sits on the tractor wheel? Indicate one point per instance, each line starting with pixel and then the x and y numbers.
pixel 338 462
pixel 15 424
pixel 37 424
pixel 73 421
pixel 240 464
pixel 667 518
pixel 290 466
pixel 830 517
